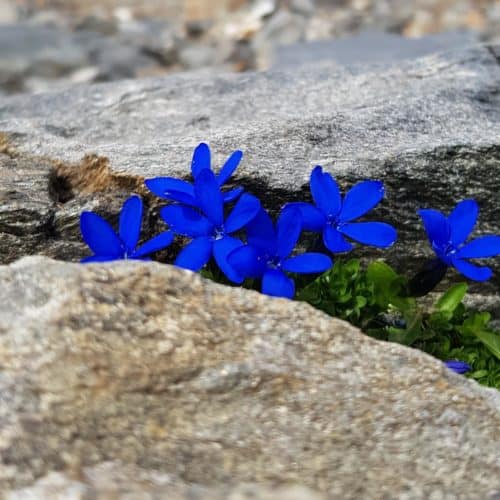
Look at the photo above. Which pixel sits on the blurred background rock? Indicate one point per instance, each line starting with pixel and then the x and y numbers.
pixel 50 44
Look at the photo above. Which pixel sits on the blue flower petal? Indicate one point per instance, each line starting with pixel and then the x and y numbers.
pixel 229 167
pixel 201 159
pixel 361 198
pixel 186 221
pixel 172 189
pixel 462 221
pixel 310 262
pixel 325 192
pixel 155 244
pixel 195 254
pixel 378 234
pixel 277 284
pixel 222 248
pixel 99 235
pixel 100 258
pixel 312 218
pixel 243 212
pixel 261 233
pixel 209 197
pixel 288 227
pixel 458 366
pixel 484 246
pixel 180 197
pixel 334 240
pixel 247 261
pixel 130 222
pixel 476 273
pixel 232 195
pixel 436 226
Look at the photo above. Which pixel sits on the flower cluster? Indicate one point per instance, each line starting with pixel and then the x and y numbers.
pixel 199 211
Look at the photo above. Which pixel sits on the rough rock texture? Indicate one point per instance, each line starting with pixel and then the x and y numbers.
pixel 430 128
pixel 157 368
pixel 39 213
pixel 112 480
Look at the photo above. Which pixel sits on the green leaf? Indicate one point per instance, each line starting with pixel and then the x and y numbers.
pixel 407 335
pixel 491 340
pixel 474 323
pixel 361 301
pixel 440 320
pixel 381 273
pixel 385 281
pixel 450 300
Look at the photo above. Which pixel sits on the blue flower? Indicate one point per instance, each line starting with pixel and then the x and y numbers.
pixel 107 245
pixel 458 366
pixel 170 188
pixel 333 216
pixel 447 236
pixel 206 225
pixel 267 253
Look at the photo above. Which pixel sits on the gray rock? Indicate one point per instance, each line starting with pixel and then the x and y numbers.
pixel 40 58
pixel 8 12
pixel 49 18
pixel 154 38
pixel 174 377
pixel 196 28
pixel 284 27
pixel 37 51
pixel 429 128
pixel 195 56
pixel 263 9
pixel 116 61
pixel 97 24
pixel 368 48
pixel 306 7
pixel 24 216
pixel 86 74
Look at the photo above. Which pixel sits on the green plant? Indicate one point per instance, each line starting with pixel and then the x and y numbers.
pixel 375 299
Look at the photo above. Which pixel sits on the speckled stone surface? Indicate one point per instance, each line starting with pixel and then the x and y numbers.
pixel 155 367
pixel 114 480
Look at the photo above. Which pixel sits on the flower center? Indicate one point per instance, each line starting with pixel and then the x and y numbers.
pixel 333 221
pixel 219 233
pixel 124 250
pixel 273 262
pixel 445 251
pixel 450 250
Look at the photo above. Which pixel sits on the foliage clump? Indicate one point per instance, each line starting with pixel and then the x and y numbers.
pixel 376 300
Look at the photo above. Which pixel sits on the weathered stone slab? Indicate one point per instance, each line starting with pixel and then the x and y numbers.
pixel 284 121
pixel 156 368
pixel 430 128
